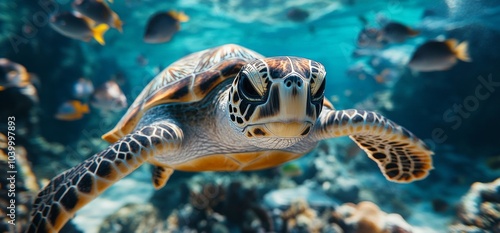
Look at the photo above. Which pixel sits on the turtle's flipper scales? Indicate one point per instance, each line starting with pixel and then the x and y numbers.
pixel 73 189
pixel 399 160
pixel 400 155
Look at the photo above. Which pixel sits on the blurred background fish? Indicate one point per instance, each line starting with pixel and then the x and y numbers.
pixel 79 27
pixel 98 11
pixel 12 75
pixel 109 97
pixel 15 76
pixel 83 88
pixel 72 110
pixel 395 32
pixel 438 55
pixel 369 38
pixel 297 14
pixel 163 25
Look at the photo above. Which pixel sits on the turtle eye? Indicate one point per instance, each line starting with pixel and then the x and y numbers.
pixel 319 93
pixel 248 90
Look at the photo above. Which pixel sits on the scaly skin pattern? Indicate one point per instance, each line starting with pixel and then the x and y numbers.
pixel 74 188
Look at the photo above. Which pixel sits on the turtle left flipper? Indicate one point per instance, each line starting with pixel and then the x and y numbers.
pixel 400 155
pixel 71 190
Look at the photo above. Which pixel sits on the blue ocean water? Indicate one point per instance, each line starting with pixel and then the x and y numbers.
pixel 455 111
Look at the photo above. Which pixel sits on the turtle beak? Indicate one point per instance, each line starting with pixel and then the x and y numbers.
pixel 293 118
pixel 288 129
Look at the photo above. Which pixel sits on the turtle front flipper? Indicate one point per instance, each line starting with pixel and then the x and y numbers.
pixel 76 187
pixel 160 176
pixel 400 155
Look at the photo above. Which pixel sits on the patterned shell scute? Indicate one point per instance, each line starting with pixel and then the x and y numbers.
pixel 181 77
pixel 199 62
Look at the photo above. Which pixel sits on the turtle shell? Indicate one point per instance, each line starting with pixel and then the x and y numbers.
pixel 187 80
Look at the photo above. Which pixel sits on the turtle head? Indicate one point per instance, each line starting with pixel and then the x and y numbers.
pixel 277 97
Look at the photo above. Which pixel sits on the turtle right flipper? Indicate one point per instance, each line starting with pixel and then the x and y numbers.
pixel 76 187
pixel 400 155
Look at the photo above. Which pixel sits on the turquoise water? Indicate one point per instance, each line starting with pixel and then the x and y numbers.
pixel 454 111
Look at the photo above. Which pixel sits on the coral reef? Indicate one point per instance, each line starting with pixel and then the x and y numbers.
pixel 214 202
pixel 232 204
pixel 301 218
pixel 133 218
pixel 366 217
pixel 479 209
pixel 209 207
pixel 310 193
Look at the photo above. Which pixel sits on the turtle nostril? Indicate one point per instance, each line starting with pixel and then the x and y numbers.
pixel 293 81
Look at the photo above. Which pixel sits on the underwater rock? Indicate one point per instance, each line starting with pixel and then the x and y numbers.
pixel 178 194
pixel 132 218
pixel 344 189
pixel 367 217
pixel 334 176
pixel 284 198
pixel 479 209
pixel 210 197
pixel 213 203
pixel 242 207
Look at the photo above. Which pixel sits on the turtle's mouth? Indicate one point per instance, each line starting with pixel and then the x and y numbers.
pixel 281 129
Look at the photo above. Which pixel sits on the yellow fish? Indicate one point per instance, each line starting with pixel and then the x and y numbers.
pixel 438 55
pixel 163 25
pixel 72 110
pixel 79 27
pixel 12 75
pixel 98 11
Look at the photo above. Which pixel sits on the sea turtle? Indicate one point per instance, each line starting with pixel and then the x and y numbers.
pixel 228 108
